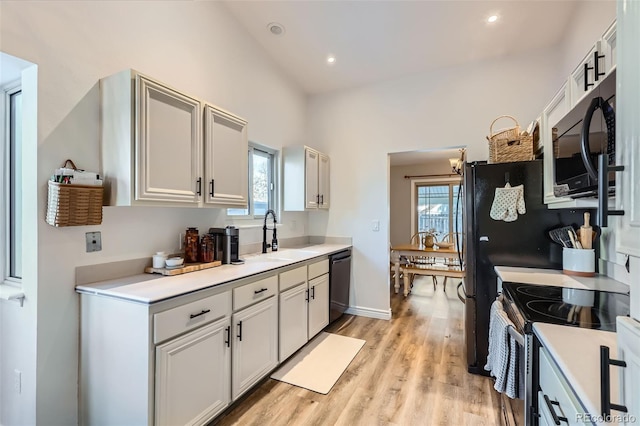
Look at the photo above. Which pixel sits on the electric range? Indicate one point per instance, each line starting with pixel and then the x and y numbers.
pixel 526 304
pixel 595 309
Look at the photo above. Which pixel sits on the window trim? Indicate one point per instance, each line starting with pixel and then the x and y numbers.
pixel 274 176
pixel 431 182
pixel 5 191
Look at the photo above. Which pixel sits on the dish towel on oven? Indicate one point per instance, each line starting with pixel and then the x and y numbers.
pixel 503 359
pixel 507 203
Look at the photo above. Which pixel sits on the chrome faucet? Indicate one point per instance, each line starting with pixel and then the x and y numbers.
pixel 274 240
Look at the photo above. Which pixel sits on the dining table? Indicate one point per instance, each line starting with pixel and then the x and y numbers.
pixel 411 250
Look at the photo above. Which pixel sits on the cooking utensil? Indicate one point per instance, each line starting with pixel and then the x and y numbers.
pixel 574 239
pixel 561 236
pixel 586 232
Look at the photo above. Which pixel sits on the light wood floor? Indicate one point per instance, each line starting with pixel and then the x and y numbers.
pixel 411 371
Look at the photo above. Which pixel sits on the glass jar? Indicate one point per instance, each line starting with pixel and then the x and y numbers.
pixel 191 242
pixel 206 248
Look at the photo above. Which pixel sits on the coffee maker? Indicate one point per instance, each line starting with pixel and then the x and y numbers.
pixel 227 244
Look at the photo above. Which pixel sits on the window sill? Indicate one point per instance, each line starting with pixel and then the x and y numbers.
pixel 249 225
pixel 12 293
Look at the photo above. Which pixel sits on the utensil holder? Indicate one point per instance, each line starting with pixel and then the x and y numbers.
pixel 578 262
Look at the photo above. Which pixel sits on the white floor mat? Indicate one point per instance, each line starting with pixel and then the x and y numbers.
pixel 319 365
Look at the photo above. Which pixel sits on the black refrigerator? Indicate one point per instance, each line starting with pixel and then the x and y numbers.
pixel 487 242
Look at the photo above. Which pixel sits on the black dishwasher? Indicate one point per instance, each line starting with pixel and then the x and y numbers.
pixel 339 283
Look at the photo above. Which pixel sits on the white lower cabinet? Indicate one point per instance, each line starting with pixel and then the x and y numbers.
pixel 293 319
pixel 318 304
pixel 556 399
pixel 255 344
pixel 193 375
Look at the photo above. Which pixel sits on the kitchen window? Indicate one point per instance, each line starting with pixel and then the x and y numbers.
pixel 262 187
pixel 11 214
pixel 435 208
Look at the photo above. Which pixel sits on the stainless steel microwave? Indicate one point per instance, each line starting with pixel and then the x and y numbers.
pixel 587 131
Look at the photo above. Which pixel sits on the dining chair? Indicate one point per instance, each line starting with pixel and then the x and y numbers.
pixel 454 262
pixel 421 261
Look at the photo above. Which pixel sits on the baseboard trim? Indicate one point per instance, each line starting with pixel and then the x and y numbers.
pixel 368 312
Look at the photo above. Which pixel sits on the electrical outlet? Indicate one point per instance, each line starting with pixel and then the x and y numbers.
pixel 94 241
pixel 181 241
pixel 17 381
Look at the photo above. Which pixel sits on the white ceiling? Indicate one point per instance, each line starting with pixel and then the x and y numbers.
pixel 381 40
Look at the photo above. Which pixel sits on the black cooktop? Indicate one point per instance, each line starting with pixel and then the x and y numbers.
pixel 567 306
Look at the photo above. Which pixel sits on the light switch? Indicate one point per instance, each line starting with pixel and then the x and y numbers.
pixel 375 225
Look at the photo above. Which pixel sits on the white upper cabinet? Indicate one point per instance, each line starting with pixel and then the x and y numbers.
pixel 154 152
pixel 306 179
pixel 225 158
pixel 311 192
pixel 628 133
pixel 587 74
pixel 583 83
pixel 557 108
pixel 323 181
pixel 151 142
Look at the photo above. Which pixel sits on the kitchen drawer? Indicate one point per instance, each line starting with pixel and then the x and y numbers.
pixel 189 316
pixel 553 384
pixel 254 292
pixel 318 268
pixel 291 278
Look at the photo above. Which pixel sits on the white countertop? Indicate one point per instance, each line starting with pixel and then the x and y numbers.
pixel 577 353
pixel 557 278
pixel 150 288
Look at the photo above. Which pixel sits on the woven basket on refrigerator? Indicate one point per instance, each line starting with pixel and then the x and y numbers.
pixel 74 205
pixel 508 145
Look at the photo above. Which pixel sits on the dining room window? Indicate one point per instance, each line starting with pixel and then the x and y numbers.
pixel 435 208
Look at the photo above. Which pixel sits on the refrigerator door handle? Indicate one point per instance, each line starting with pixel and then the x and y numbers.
pixel 463 296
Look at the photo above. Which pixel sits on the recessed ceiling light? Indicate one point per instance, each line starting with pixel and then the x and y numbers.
pixel 276 29
pixel 331 59
pixel 492 19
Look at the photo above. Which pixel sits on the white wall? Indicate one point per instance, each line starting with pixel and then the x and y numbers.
pixel 400 196
pixel 194 46
pixel 441 109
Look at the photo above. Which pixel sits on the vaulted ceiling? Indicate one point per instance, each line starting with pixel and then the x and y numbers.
pixel 374 41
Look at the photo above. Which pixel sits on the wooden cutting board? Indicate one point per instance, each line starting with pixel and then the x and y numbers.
pixel 189 267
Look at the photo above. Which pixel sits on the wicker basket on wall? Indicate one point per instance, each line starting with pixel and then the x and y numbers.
pixel 510 144
pixel 74 205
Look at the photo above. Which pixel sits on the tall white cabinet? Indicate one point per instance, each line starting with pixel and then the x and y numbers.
pixel 306 179
pixel 161 146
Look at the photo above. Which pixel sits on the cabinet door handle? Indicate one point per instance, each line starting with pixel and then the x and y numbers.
pixel 262 290
pixel 306 295
pixel 556 418
pixel 313 292
pixel 322 199
pixel 211 186
pixel 199 186
pixel 239 336
pixel 586 76
pixel 227 341
pixel 605 382
pixel 318 199
pixel 596 71
pixel 204 311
